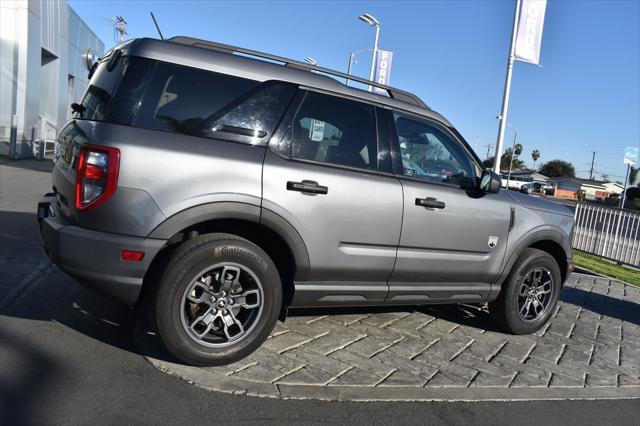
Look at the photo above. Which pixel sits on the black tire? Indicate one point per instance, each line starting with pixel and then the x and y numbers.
pixel 188 260
pixel 505 309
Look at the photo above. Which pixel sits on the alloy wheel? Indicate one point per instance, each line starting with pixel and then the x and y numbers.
pixel 535 294
pixel 221 305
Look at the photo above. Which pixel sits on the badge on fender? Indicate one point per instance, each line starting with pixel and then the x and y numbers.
pixel 493 241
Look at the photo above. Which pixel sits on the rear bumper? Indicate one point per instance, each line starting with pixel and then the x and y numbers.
pixel 92 257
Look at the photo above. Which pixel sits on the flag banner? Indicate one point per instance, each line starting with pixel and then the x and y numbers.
pixel 529 35
pixel 384 59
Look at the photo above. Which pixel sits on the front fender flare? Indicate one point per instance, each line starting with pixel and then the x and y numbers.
pixel 540 233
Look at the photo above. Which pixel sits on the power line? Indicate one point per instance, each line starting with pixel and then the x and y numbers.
pixel 119 28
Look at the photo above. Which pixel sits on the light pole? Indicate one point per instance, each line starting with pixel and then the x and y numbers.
pixel 352 60
pixel 369 19
pixel 513 152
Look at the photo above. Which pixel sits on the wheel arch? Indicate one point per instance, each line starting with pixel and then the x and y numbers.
pixel 269 231
pixel 549 239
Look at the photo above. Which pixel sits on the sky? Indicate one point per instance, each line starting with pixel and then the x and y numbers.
pixel 585 97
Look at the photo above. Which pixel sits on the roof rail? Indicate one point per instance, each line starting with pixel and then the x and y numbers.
pixel 394 93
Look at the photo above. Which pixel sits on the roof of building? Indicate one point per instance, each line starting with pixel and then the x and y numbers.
pixel 526 172
pixel 581 181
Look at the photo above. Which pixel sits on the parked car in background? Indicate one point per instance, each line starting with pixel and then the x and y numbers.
pixel 218 187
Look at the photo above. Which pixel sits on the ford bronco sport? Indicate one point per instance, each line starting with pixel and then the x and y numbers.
pixel 219 186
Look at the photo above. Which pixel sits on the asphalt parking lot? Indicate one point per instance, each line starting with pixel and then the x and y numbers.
pixel 68 356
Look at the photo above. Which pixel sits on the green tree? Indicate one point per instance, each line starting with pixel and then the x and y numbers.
pixel 518 149
pixel 535 156
pixel 633 175
pixel 558 168
pixel 504 160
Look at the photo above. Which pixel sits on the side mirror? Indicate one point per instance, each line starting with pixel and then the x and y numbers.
pixel 490 182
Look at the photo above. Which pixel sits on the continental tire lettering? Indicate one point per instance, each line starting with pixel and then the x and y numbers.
pixel 237 251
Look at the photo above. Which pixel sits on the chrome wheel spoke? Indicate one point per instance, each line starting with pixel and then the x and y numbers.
pixel 200 293
pixel 537 276
pixel 206 320
pixel 229 277
pixel 524 310
pixel 545 288
pixel 250 299
pixel 233 328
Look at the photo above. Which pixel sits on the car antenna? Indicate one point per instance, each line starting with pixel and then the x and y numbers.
pixel 157 27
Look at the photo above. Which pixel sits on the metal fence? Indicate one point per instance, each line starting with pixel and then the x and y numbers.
pixel 608 232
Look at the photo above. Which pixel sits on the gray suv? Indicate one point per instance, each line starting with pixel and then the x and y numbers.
pixel 218 186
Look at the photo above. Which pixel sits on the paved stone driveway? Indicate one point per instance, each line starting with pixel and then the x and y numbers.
pixel 590 349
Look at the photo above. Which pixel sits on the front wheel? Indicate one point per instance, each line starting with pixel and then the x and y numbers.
pixel 530 293
pixel 218 300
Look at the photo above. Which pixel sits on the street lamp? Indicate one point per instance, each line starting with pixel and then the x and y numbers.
pixel 311 61
pixel 369 19
pixel 352 60
pixel 513 151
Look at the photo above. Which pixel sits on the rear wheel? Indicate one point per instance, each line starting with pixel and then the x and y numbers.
pixel 530 293
pixel 218 300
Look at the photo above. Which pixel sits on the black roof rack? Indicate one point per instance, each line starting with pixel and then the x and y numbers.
pixel 394 93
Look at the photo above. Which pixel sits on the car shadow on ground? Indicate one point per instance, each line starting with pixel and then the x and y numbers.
pixel 32 371
pixel 45 166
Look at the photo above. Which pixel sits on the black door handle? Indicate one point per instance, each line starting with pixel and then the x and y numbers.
pixel 307 186
pixel 430 202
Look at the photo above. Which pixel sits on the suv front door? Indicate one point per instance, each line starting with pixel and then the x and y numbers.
pixel 453 236
pixel 326 173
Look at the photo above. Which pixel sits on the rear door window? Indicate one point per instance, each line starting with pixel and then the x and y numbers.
pixel 334 130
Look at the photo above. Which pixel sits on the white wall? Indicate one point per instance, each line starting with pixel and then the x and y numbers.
pixel 31 89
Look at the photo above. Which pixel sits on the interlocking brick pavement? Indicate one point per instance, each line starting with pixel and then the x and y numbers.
pixel 592 341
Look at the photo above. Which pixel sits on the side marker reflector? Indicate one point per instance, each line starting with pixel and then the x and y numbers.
pixel 130 255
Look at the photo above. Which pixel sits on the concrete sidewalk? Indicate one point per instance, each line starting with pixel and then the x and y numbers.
pixel 590 349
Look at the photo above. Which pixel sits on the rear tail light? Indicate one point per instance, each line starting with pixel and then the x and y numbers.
pixel 96 175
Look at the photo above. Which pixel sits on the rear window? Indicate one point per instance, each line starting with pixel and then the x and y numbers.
pixel 162 96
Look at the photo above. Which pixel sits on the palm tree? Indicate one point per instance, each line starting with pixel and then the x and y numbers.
pixel 535 155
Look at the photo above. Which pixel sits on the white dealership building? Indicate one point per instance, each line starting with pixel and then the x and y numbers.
pixel 44 51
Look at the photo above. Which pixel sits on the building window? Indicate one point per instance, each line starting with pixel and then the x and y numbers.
pixel 70 93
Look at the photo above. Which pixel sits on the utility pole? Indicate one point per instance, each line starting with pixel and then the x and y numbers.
pixel 488 150
pixel 119 27
pixel 593 159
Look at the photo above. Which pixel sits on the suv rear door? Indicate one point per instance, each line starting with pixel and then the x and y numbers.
pixel 329 175
pixel 453 236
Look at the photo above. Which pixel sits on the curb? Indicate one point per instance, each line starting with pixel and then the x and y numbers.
pixel 584 271
pixel 213 381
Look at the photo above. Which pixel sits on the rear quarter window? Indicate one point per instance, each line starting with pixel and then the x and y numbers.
pixel 156 95
pixel 179 98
